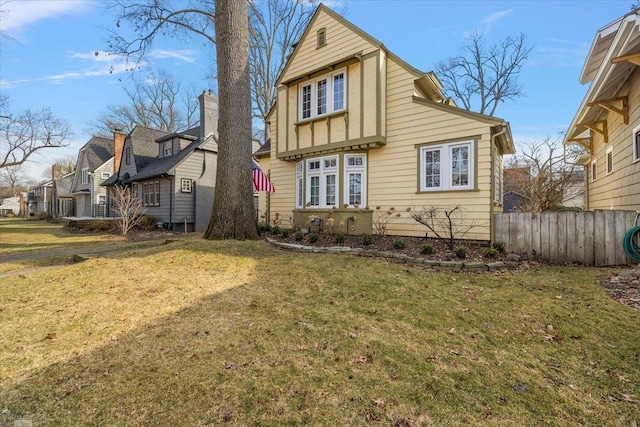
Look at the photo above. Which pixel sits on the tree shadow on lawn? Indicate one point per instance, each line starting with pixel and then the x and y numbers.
pixel 366 342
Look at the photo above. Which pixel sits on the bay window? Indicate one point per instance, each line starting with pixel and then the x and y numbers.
pixel 447 166
pixel 323 95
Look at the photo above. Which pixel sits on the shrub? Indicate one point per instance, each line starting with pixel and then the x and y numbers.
pixel 285 232
pixel 490 252
pixel 276 230
pixel 398 243
pixel 426 249
pixel 313 237
pixel 148 222
pixel 99 226
pixel 339 237
pixel 263 227
pixel 367 239
pixel 461 252
pixel 298 236
pixel 499 246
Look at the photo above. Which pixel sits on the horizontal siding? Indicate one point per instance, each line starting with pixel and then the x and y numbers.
pixel 621 188
pixel 341 42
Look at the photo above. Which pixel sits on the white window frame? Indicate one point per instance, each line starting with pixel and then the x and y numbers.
pixel 299 185
pixel 635 143
pixel 102 199
pixel 355 169
pixel 327 166
pixel 609 160
pixel 593 171
pixel 329 105
pixel 105 175
pixel 185 185
pixel 446 167
pixel 85 176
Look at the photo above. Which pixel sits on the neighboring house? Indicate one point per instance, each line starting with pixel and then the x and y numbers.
pixel 517 197
pixel 175 179
pixel 10 206
pixel 607 123
pixel 355 127
pixel 94 165
pixel 514 196
pixel 64 204
pixel 43 197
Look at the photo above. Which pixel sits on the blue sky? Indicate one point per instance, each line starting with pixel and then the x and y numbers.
pixel 51 60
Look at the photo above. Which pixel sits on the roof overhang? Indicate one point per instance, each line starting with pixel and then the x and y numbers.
pixel 613 53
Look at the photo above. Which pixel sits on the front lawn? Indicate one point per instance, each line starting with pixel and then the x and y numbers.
pixel 207 333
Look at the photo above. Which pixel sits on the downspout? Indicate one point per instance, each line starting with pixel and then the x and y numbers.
pixel 492 228
pixel 166 176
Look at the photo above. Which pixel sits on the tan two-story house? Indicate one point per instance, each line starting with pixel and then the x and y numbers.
pixel 607 123
pixel 354 127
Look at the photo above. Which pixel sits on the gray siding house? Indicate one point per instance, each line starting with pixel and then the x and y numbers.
pixel 95 164
pixel 173 174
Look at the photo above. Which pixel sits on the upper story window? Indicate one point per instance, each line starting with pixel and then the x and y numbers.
pixel 636 144
pixel 168 149
pixel 447 166
pixel 85 176
pixel 105 175
pixel 323 95
pixel 322 37
pixel 185 185
pixel 127 155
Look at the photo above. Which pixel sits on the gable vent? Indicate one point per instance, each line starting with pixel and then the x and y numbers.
pixel 322 37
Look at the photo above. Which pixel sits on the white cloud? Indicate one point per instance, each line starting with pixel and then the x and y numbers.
pixel 486 24
pixel 183 55
pixel 18 14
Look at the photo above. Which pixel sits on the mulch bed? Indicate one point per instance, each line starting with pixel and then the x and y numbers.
pixel 624 287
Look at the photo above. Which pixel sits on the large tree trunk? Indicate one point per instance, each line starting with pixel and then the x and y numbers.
pixel 233 215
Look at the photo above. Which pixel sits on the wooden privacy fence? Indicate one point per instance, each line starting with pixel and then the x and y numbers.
pixel 590 238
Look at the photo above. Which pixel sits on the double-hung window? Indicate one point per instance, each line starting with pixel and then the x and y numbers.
pixel 85 175
pixel 324 95
pixel 447 166
pixel 151 194
pixel 355 179
pixel 322 179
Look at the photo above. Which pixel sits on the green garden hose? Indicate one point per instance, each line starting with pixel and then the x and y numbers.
pixel 631 248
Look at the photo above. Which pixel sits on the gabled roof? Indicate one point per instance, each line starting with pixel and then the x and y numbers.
pixel 164 166
pixel 97 151
pixel 264 150
pixel 63 185
pixel 620 38
pixel 428 82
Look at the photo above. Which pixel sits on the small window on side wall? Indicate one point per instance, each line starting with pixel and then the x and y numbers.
pixel 185 184
pixel 609 160
pixel 594 170
pixel 636 144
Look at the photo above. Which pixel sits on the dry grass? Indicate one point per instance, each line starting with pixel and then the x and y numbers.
pixel 18 235
pixel 207 333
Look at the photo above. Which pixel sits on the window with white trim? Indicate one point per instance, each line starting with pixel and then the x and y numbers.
pixel 323 95
pixel 299 187
pixel 105 175
pixel 85 176
pixel 636 144
pixel 355 168
pixel 594 170
pixel 102 199
pixel 609 160
pixel 447 166
pixel 185 185
pixel 322 178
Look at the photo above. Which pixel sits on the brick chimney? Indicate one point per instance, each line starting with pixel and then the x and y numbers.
pixel 208 114
pixel 118 147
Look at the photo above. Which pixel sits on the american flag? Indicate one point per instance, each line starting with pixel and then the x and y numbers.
pixel 260 180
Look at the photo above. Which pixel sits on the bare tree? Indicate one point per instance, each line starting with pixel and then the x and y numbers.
pixel 13 179
pixel 22 133
pixel 67 164
pixel 233 215
pixel 483 77
pixel 157 101
pixel 447 225
pixel 541 175
pixel 276 25
pixel 128 206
